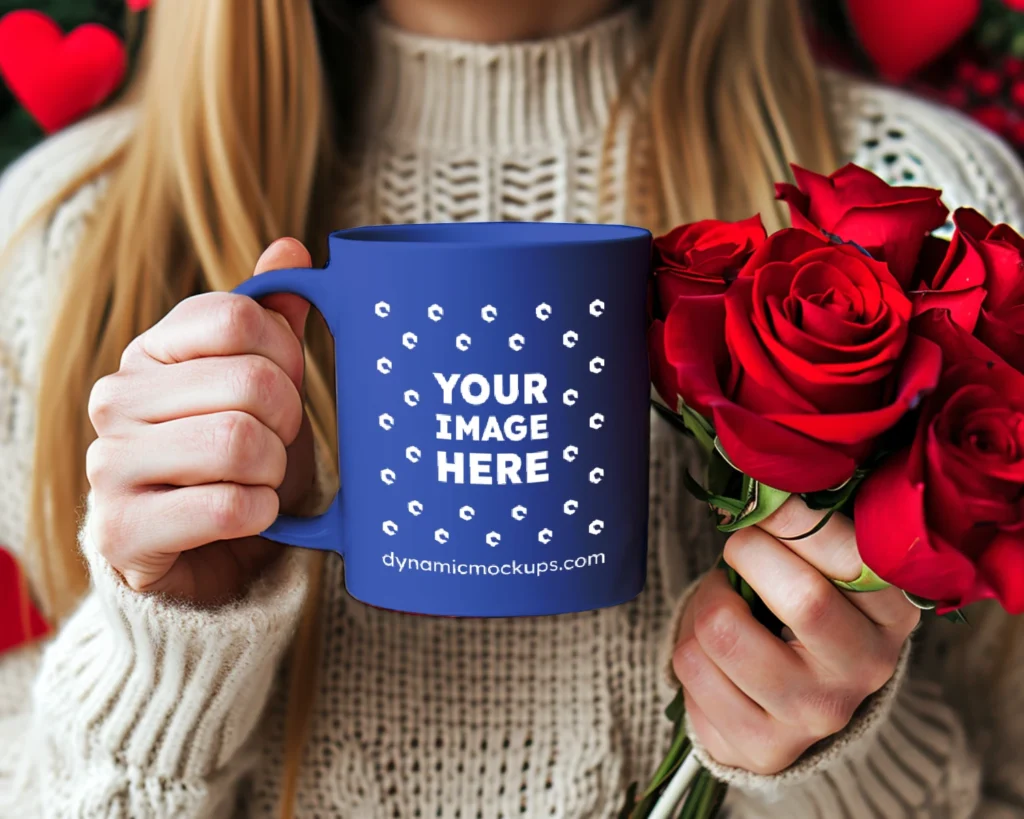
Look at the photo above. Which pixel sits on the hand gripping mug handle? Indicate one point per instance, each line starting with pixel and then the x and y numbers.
pixel 323 531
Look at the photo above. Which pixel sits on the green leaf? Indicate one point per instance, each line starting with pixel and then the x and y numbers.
pixel 922 603
pixel 727 507
pixel 722 477
pixel 747 593
pixel 676 754
pixel 674 711
pixel 762 501
pixel 821 524
pixel 956 616
pixel 714 796
pixel 839 496
pixel 698 426
pixel 694 488
pixel 720 449
pixel 693 798
pixel 630 801
pixel 674 420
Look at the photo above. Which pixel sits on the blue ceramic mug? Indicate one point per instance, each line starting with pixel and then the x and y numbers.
pixel 493 415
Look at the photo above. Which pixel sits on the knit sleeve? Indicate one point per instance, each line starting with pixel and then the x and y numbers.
pixel 139 706
pixel 143 707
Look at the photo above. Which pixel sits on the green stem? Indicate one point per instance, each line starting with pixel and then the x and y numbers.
pixel 711 800
pixel 677 753
pixel 693 800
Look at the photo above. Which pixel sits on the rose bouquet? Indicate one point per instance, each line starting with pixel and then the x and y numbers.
pixel 868 366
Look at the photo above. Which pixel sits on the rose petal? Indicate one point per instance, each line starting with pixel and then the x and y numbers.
pixel 919 374
pixel 694 345
pixel 672 286
pixel 1003 332
pixel 956 343
pixel 785 245
pixel 963 305
pixel 748 355
pixel 777 456
pixel 893 537
pixel 1002 566
pixel 898 231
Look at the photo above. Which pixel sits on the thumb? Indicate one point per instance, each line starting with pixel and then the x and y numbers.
pixel 286 253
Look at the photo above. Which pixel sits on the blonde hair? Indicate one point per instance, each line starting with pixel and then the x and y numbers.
pixel 236 145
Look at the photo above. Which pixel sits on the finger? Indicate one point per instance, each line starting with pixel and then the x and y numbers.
pixel 300 479
pixel 286 253
pixel 833 552
pixel 835 633
pixel 739 720
pixel 714 743
pixel 245 383
pixel 217 325
pixel 225 446
pixel 144 532
pixel 212 574
pixel 764 668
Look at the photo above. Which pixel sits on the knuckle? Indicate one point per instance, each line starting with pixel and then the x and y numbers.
pixel 766 756
pixel 716 628
pixel 827 712
pixel 103 402
pixel 809 601
pixel 737 543
pixel 687 661
pixel 133 352
pixel 291 414
pixel 785 519
pixel 237 441
pixel 257 381
pixel 908 621
pixel 230 508
pixel 101 463
pixel 137 581
pixel 106 526
pixel 239 321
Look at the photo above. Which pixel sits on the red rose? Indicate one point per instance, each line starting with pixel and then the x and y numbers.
pixel 944 518
pixel 889 222
pixel 1001 323
pixel 951 274
pixel 702 258
pixel 1002 329
pixel 801 364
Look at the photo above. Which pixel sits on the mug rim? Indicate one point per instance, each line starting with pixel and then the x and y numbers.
pixel 520 234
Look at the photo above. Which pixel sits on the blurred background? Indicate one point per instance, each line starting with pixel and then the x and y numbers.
pixel 966 53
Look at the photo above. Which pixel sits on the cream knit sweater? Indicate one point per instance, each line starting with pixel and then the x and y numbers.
pixel 146 709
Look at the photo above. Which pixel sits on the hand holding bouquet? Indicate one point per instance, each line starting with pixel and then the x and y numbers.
pixel 868 367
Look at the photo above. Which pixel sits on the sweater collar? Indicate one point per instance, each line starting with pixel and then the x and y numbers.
pixel 450 94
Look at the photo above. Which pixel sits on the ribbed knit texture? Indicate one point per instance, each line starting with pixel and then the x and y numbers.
pixel 145 709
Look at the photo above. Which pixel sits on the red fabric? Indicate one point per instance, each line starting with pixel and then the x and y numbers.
pixel 902 37
pixel 20 620
pixel 59 78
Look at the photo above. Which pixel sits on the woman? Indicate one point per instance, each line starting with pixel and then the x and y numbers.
pixel 199 671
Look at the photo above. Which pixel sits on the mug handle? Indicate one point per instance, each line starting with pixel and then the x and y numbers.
pixel 322 532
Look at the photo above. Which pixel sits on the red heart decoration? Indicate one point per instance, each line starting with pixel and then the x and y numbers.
pixel 139 5
pixel 902 36
pixel 58 78
pixel 20 621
